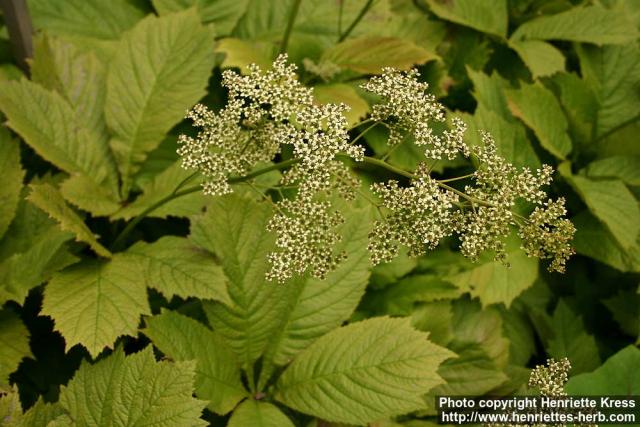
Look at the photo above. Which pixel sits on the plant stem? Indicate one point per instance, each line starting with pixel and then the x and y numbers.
pixel 356 21
pixel 287 32
pixel 363 132
pixel 457 178
pixel 119 241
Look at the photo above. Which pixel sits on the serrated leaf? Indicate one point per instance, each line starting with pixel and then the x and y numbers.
pixel 175 266
pixel 495 283
pixel 337 93
pixel 376 368
pixel 613 73
pixel 594 240
pixel 86 18
pixel 613 204
pixel 133 390
pixel 258 414
pixel 625 309
pixel 572 341
pixel 89 196
pixel 223 13
pixel 48 198
pixel 13 174
pixel 579 103
pixel 48 123
pixel 233 228
pixel 591 24
pixel 369 54
pixel 14 345
pixel 436 318
pixel 95 302
pixel 489 91
pixel 539 110
pixel 614 378
pixel 311 307
pixel 161 186
pixel 542 58
pixel 625 168
pixel 489 16
pixel 217 372
pixel 43 414
pixel 170 60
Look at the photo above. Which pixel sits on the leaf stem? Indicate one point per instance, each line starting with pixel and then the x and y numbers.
pixel 356 21
pixel 121 238
pixel 287 32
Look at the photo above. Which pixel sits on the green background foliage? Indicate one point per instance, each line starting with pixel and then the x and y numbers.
pixel 173 322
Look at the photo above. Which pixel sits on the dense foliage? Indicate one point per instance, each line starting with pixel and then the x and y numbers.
pixel 131 297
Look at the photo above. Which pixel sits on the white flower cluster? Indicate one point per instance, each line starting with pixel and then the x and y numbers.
pixel 550 379
pixel 406 108
pixel 271 109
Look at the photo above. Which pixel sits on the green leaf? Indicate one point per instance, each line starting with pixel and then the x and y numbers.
pixel 376 368
pixel 488 16
pixel 164 185
pixel 86 18
pixel 542 58
pixel 436 318
pixel 591 24
pixel 311 307
pixel 42 414
pixel 517 329
pixel 539 109
pixel 613 74
pixel 614 378
pixel 234 229
pixel 625 168
pixel 625 309
pixel 95 302
pixel 48 198
pixel 337 93
pixel 170 60
pixel 571 340
pixel 89 196
pixel 14 345
pixel 594 240
pixel 489 91
pixel 493 282
pixel 133 390
pixel 175 266
pixel 258 414
pixel 580 105
pixel 241 53
pixel 217 372
pixel 49 124
pixel 223 13
pixel 370 54
pixel 613 204
pixel 13 174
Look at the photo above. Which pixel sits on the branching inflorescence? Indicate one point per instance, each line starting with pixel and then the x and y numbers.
pixel 270 110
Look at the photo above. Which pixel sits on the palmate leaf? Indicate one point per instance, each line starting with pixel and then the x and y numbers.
pixel 539 109
pixel 95 302
pixel 258 414
pixel 362 372
pixel 592 24
pixel 572 341
pixel 14 345
pixel 12 177
pixel 224 14
pixel 217 371
pixel 133 390
pixel 369 54
pixel 311 307
pixel 48 198
pixel 233 228
pixel 170 60
pixel 489 16
pixel 175 266
pixel 48 123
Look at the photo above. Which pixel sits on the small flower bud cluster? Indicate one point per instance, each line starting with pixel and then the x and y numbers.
pixel 421 215
pixel 306 239
pixel 550 379
pixel 406 108
pixel 547 235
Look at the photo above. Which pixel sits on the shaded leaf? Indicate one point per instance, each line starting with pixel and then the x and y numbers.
pixel 241 53
pixel 258 414
pixel 625 168
pixel 223 13
pixel 542 58
pixel 12 177
pixel 614 378
pixel 489 16
pixel 217 372
pixel 14 345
